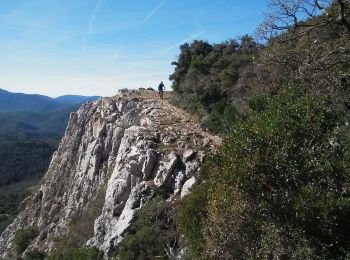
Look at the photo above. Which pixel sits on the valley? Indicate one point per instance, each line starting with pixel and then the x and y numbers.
pixel 30 129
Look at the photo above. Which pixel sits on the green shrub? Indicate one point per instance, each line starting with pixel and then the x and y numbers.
pixel 191 216
pixel 221 117
pixel 152 233
pixel 73 253
pixel 198 63
pixel 208 77
pixel 189 103
pixel 34 255
pixel 217 117
pixel 72 247
pixel 279 187
pixel 23 238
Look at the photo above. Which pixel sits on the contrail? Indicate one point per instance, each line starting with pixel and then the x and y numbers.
pixel 193 36
pixel 117 54
pixel 154 11
pixel 93 16
pixel 91 24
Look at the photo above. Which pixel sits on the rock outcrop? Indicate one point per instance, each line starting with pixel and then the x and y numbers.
pixel 114 154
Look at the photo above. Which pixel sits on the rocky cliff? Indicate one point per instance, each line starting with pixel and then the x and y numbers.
pixel 114 154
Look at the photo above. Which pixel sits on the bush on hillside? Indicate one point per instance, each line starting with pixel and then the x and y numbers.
pixel 221 117
pixel 152 234
pixel 206 77
pixel 34 255
pixel 278 187
pixel 75 253
pixel 23 238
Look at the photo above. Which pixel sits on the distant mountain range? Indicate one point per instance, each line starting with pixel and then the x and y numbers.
pixel 37 115
pixel 75 99
pixel 30 129
pixel 38 103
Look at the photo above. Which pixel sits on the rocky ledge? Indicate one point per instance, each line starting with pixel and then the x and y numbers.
pixel 114 154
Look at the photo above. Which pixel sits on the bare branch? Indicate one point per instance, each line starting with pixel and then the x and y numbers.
pixel 343 20
pixel 289 14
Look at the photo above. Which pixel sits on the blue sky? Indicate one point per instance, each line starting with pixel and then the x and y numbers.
pixel 89 47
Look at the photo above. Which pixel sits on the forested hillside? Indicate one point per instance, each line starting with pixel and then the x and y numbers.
pixel 23 162
pixel 30 129
pixel 279 187
pixel 23 159
pixel 212 80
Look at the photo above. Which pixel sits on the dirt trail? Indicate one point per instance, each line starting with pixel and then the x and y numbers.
pixel 175 117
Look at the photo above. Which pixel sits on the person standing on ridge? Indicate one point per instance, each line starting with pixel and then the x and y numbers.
pixel 161 89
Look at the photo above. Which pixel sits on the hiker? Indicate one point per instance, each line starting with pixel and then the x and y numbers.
pixel 161 89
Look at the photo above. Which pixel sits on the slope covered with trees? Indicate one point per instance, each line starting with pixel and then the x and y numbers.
pixel 23 162
pixel 279 185
pixel 30 128
pixel 212 81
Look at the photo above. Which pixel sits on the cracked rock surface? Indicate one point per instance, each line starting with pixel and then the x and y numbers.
pixel 113 155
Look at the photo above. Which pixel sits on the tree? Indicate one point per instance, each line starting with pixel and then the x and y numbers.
pixel 287 14
pixel 209 78
pixel 307 44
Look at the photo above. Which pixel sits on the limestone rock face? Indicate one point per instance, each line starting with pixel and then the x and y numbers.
pixel 113 155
